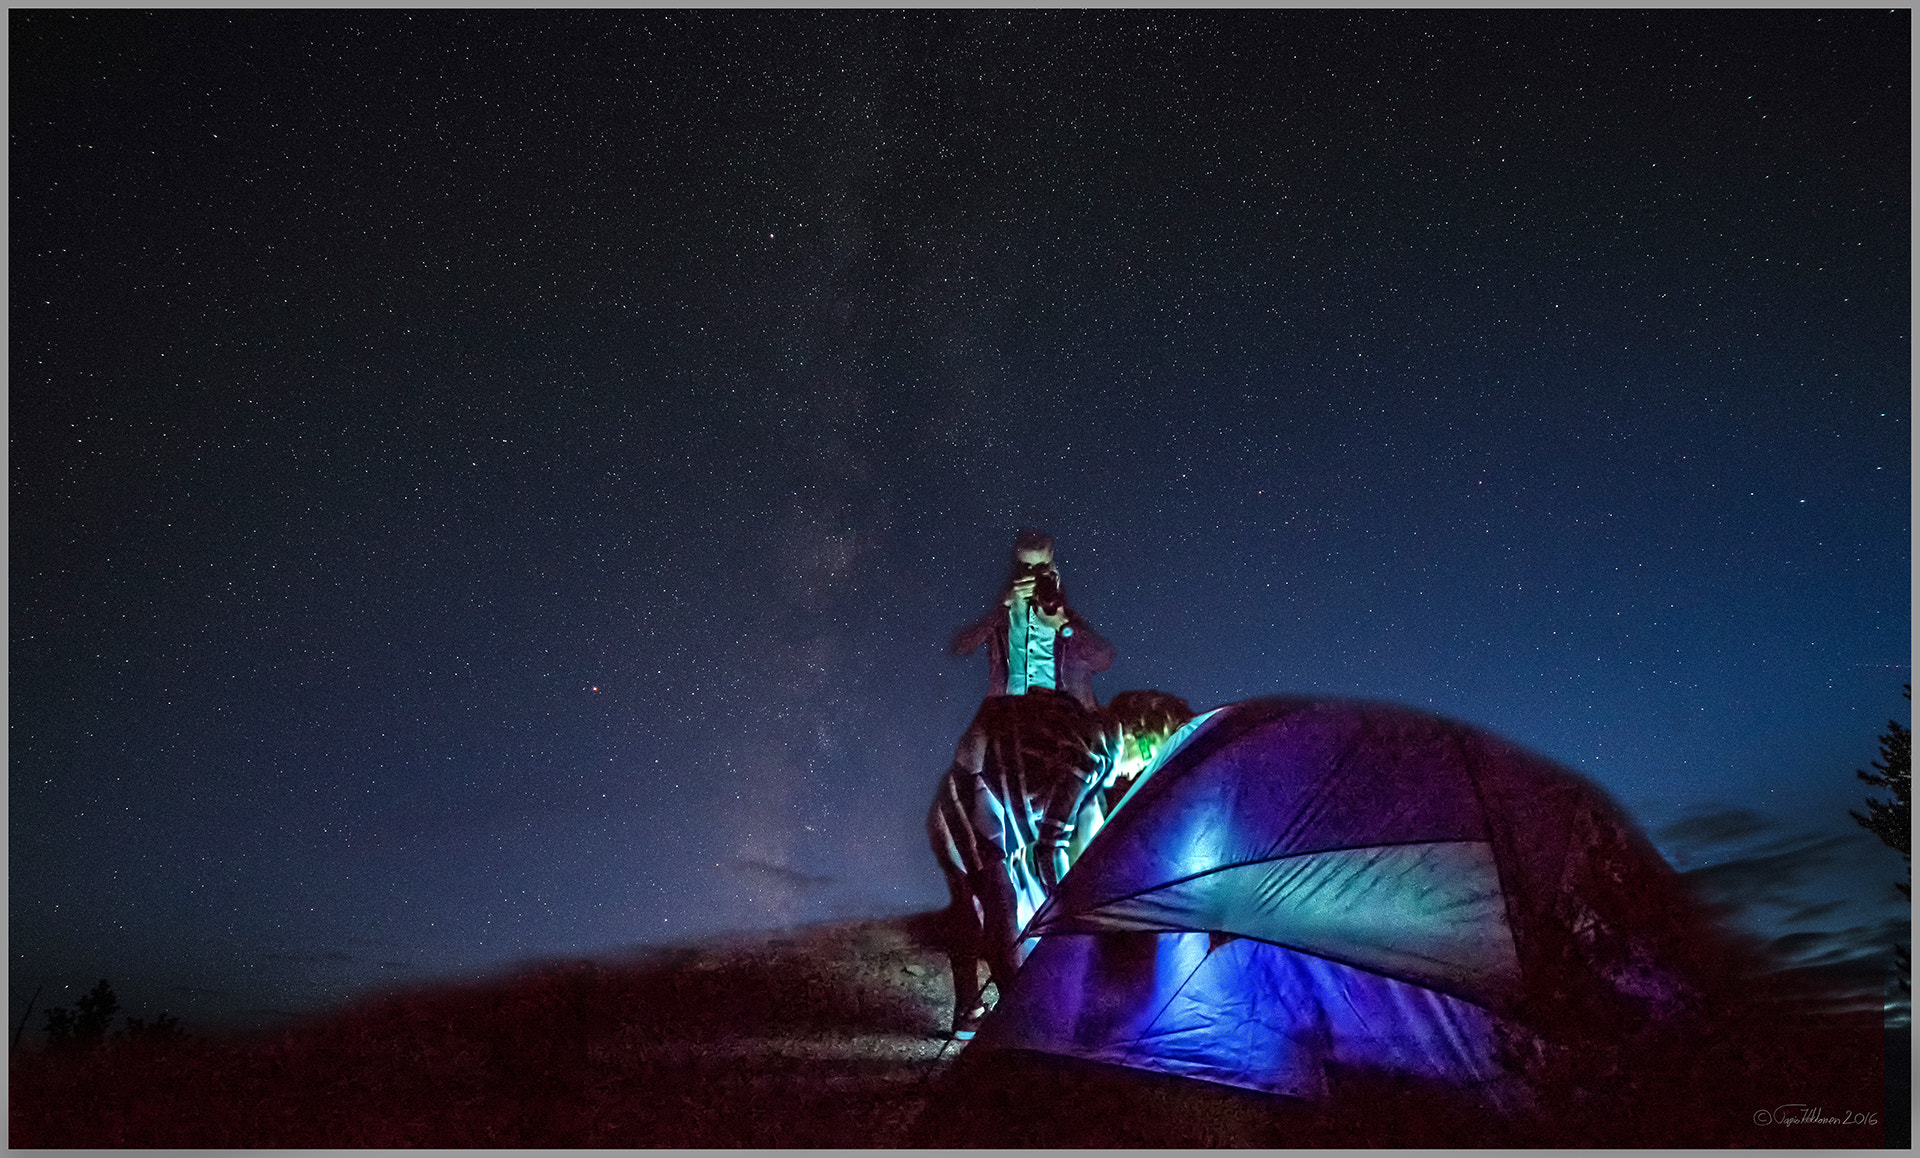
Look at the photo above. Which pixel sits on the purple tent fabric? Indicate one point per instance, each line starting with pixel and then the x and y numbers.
pixel 1301 888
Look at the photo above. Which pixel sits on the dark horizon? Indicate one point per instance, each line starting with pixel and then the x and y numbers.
pixel 495 487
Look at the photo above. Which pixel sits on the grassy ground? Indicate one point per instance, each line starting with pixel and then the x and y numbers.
pixel 824 1039
pixel 828 1037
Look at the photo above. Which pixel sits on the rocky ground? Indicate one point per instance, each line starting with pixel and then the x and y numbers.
pixel 829 1036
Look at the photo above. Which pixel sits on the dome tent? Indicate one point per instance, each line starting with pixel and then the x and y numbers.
pixel 1303 893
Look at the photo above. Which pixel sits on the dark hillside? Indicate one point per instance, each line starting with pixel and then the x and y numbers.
pixel 826 1037
pixel 821 1039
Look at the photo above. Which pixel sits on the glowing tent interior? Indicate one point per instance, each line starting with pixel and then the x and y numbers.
pixel 1303 889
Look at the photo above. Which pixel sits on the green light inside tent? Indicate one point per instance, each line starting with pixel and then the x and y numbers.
pixel 1167 749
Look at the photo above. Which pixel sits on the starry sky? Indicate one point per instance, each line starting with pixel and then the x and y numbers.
pixel 492 487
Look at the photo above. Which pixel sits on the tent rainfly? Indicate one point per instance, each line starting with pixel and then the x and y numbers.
pixel 1303 889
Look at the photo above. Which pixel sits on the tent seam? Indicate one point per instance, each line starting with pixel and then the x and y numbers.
pixel 1467 757
pixel 1284 856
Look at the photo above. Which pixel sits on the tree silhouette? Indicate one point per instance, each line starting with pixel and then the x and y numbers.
pixel 164 1028
pixel 86 1025
pixel 1892 820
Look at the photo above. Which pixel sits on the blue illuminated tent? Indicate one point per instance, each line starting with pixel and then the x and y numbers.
pixel 1305 891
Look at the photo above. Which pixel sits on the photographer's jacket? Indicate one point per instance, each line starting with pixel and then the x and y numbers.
pixel 1031 654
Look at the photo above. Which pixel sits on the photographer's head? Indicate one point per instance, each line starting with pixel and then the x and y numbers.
pixel 1031 549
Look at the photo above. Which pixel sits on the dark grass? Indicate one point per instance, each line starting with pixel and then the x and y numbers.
pixel 828 1038
pixel 700 1048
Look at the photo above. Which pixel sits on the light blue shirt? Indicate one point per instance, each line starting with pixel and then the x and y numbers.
pixel 1029 650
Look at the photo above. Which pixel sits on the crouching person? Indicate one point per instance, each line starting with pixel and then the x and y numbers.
pixel 1020 754
pixel 1135 727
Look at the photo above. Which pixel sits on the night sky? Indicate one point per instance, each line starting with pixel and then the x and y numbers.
pixel 493 487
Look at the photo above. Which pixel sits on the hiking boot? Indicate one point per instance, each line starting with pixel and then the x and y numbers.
pixel 966 1025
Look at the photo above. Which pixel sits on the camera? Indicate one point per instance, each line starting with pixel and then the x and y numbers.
pixel 1046 587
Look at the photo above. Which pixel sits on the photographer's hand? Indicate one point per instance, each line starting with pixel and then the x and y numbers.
pixel 1056 621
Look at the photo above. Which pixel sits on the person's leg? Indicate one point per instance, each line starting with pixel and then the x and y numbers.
pixel 964 951
pixel 1000 923
pixel 957 850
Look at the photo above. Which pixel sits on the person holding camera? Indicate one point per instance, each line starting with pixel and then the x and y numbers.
pixel 1034 638
pixel 1037 736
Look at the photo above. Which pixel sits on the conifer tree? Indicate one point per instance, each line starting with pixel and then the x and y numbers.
pixel 1892 820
